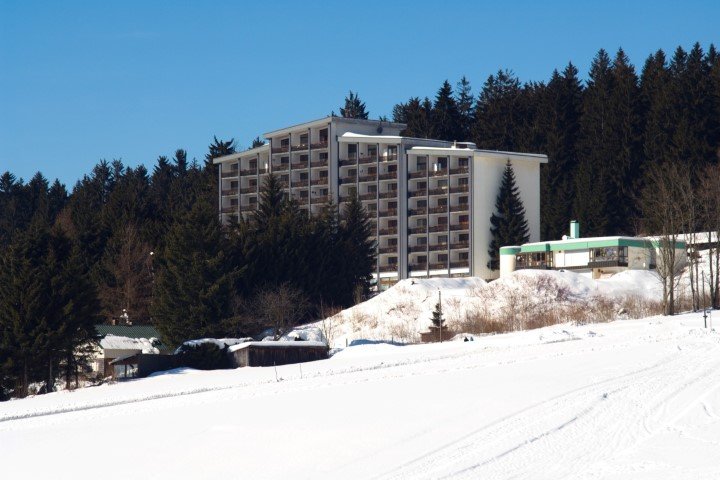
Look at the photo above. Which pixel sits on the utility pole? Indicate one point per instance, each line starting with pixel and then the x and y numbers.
pixel 704 307
pixel 441 319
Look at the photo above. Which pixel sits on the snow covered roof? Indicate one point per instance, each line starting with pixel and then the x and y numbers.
pixel 359 136
pixel 130 331
pixel 144 345
pixel 276 344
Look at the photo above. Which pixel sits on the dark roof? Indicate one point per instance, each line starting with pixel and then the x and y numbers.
pixel 130 331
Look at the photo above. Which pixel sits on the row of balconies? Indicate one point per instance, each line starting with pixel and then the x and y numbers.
pixel 439 246
pixel 439 191
pixel 301 147
pixel 371 177
pixel 365 159
pixel 454 227
pixel 439 173
pixel 439 266
pixel 463 207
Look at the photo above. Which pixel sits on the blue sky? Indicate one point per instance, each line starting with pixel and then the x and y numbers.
pixel 82 81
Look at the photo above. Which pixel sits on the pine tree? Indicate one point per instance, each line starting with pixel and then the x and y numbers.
pixel 354 107
pixel 437 314
pixel 195 276
pixel 416 114
pixel 465 106
pixel 509 226
pixel 498 112
pixel 358 247
pixel 257 142
pixel 444 116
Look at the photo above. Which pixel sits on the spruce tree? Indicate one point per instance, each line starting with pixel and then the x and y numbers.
pixel 358 247
pixel 509 226
pixel 465 106
pixel 354 107
pixel 498 112
pixel 437 314
pixel 445 117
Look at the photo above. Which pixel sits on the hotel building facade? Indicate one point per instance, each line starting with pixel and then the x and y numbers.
pixel 430 201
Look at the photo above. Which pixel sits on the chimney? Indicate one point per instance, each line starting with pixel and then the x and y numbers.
pixel 574 229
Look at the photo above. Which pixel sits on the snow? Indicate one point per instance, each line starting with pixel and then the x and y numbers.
pixel 276 343
pixel 626 399
pixel 218 342
pixel 115 342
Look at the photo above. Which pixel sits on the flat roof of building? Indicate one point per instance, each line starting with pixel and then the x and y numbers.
pixel 585 243
pixel 329 119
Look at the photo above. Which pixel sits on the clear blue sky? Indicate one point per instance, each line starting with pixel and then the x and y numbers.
pixel 82 81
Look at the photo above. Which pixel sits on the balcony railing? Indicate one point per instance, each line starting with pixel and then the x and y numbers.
pixel 388 176
pixel 460 264
pixel 251 171
pixel 417 193
pixel 347 162
pixel 460 226
pixel 347 179
pixel 369 159
pixel 438 173
pixel 319 181
pixel 440 209
pixel 460 245
pixel 439 266
pixel 421 174
pixel 300 183
pixel 320 144
pixel 438 246
pixel 320 199
pixel 283 149
pixel 319 163
pixel 230 209
pixel 368 178
pixel 392 212
pixel 417 211
pixel 298 148
pixel 247 190
pixel 281 167
pixel 459 189
pixel 463 207
pixel 230 174
pixel 388 231
pixel 459 170
pixel 247 208
pixel 368 196
pixel 439 191
pixel 390 194
pixel 415 230
pixel 299 165
pixel 388 268
pixel 390 249
pixel 389 158
pixel 229 192
pixel 438 228
pixel 418 266
pixel 417 248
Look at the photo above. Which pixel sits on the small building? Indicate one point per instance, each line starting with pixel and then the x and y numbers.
pixel 141 365
pixel 593 256
pixel 269 353
pixel 118 341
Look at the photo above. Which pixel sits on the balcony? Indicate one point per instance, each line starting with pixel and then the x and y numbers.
pixel 389 158
pixel 388 176
pixel 369 159
pixel 440 209
pixel 248 208
pixel 417 248
pixel 319 181
pixel 281 167
pixel 460 189
pixel 230 192
pixel 463 207
pixel 390 249
pixel 390 194
pixel 438 228
pixel 230 209
pixel 319 163
pixel 231 174
pixel 388 231
pixel 421 174
pixel 299 165
pixel 392 212
pixel 251 171
pixel 416 230
pixel 323 143
pixel 438 247
pixel 347 179
pixel 417 193
pixel 320 199
pixel 368 178
pixel 247 190
pixel 388 268
pixel 460 264
pixel 460 226
pixel 368 196
pixel 439 191
pixel 283 149
pixel 418 266
pixel 459 170
pixel 438 173
pixel 300 183
pixel 417 211
pixel 460 245
pixel 299 148
pixel 439 266
pixel 347 162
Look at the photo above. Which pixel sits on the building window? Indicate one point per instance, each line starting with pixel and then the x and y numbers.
pixel 285 179
pixel 392 187
pixel 371 207
pixel 234 202
pixel 392 152
pixel 442 163
pixel 323 135
pixel 284 160
pixel 442 183
pixel 442 239
pixel 442 202
pixel 392 242
pixel 422 203
pixel 372 188
pixel 464 218
pixel 253 165
pixel 422 259
pixel 421 164
pixel 464 237
pixel 392 260
pixel 463 200
pixel 421 222
pixel 372 150
pixel 303 176
pixel 463 162
pixel 352 150
pixel 253 183
pixel 392 223
pixel 303 194
pixel 421 185
pixel 392 205
pixel 392 168
pixel 304 139
pixel 285 142
pixel 464 256
pixel 372 170
pixel 323 156
pixel 463 181
pixel 442 257
pixel 234 185
pixel 323 174
pixel 442 220
pixel 253 200
pixel 304 158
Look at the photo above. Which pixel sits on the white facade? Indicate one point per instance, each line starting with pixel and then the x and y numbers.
pixel 431 200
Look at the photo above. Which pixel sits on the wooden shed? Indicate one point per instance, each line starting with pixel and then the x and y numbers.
pixel 267 354
pixel 140 365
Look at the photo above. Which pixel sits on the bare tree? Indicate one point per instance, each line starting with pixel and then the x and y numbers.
pixel 328 323
pixel 665 203
pixel 708 195
pixel 280 307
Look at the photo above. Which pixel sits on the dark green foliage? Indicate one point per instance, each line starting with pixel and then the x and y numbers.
pixel 204 356
pixel 417 115
pixel 499 112
pixel 445 116
pixel 437 315
pixel 257 143
pixel 509 226
pixel 354 107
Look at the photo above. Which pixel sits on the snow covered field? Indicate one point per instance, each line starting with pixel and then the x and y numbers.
pixel 633 399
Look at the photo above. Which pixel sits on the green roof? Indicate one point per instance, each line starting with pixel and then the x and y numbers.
pixel 130 331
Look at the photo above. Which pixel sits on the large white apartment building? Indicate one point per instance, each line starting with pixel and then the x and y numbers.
pixel 430 200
